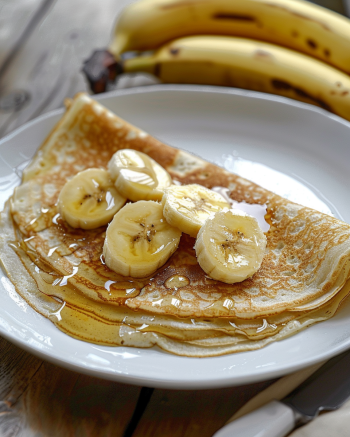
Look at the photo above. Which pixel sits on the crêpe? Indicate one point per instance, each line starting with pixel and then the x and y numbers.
pixel 112 325
pixel 307 252
pixel 301 280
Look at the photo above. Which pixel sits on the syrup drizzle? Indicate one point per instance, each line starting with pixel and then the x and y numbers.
pixel 173 283
pixel 255 210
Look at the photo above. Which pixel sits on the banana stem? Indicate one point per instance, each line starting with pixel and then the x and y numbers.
pixel 138 64
pixel 102 67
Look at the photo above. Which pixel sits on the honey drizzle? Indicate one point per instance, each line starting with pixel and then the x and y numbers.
pixel 98 321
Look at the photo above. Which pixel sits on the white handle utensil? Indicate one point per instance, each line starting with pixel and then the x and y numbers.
pixel 272 420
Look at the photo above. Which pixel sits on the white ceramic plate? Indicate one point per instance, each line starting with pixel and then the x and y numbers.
pixel 307 152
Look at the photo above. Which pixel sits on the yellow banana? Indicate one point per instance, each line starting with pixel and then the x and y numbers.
pixel 137 176
pixel 299 25
pixel 230 246
pixel 253 65
pixel 139 240
pixel 187 207
pixel 89 200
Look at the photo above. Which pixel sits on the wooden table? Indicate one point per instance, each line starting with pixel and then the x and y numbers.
pixel 42 46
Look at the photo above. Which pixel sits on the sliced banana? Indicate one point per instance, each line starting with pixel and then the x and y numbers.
pixel 137 176
pixel 139 240
pixel 188 206
pixel 230 246
pixel 89 199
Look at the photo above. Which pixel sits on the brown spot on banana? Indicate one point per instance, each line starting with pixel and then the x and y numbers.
pixel 157 69
pixel 174 51
pixel 233 17
pixel 311 43
pixel 279 84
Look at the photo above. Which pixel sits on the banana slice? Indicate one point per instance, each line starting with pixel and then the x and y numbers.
pixel 89 199
pixel 230 246
pixel 137 176
pixel 188 206
pixel 139 240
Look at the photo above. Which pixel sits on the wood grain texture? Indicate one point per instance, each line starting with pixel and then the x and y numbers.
pixel 10 29
pixel 193 413
pixel 38 398
pixel 47 66
pixel 73 404
pixel 16 370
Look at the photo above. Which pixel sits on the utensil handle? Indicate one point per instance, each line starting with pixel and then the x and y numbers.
pixel 274 419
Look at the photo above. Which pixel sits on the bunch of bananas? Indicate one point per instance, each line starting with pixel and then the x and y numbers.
pixel 287 47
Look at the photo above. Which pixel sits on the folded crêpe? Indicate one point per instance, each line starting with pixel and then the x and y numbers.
pixel 302 279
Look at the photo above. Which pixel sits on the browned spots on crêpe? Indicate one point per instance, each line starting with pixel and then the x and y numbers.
pixel 199 282
pixel 217 177
pixel 90 242
pixel 342 239
pixel 182 263
pixel 281 85
pixel 101 133
pixel 92 249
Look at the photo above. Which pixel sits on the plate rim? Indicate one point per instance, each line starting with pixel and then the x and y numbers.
pixel 184 88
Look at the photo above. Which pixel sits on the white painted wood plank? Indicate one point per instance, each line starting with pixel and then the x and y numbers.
pixel 14 17
pixel 48 66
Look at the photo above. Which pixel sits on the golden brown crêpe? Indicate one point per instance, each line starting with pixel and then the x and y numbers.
pixel 305 265
pixel 101 323
pixel 307 253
